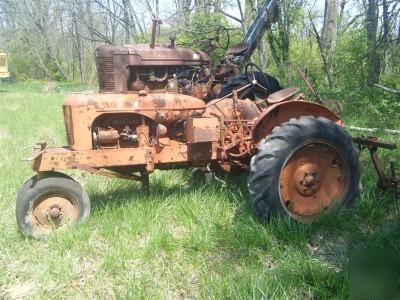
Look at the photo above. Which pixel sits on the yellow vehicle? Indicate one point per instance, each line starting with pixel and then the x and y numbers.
pixel 4 73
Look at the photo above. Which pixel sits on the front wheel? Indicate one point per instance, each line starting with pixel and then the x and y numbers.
pixel 305 167
pixel 51 203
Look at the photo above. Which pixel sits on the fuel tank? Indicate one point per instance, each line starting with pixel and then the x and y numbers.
pixel 81 110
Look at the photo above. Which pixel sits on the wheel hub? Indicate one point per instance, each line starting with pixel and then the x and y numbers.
pixel 308 181
pixel 53 211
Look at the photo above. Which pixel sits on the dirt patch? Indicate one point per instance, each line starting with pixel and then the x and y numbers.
pixel 179 232
pixel 84 270
pixel 18 291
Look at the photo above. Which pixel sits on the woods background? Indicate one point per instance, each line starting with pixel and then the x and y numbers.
pixel 343 43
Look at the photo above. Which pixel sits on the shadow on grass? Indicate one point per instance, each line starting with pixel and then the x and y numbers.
pixel 159 190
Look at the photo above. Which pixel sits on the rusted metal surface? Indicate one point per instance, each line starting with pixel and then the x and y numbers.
pixel 384 182
pixel 200 91
pixel 282 112
pixel 84 109
pixel 282 95
pixel 313 178
pixel 373 142
pixel 200 130
pixel 113 62
pixel 143 134
pixel 107 173
pixel 175 155
pixel 53 211
pixel 224 108
pixel 153 33
pixel 226 70
pixel 107 138
pixel 395 179
pixel 309 85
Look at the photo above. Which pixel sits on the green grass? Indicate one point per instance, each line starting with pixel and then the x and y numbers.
pixel 184 241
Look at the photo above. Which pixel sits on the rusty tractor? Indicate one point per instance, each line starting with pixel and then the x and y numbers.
pixel 161 107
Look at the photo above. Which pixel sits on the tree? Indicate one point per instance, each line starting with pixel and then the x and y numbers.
pixel 374 58
pixel 279 37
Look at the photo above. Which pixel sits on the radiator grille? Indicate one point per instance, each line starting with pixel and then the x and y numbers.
pixel 105 70
pixel 68 124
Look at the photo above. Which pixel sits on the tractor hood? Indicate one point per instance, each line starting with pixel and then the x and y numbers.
pixel 144 55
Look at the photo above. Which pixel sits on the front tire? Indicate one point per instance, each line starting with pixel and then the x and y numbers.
pixel 305 167
pixel 51 203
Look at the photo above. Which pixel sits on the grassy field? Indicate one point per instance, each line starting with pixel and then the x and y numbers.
pixel 187 240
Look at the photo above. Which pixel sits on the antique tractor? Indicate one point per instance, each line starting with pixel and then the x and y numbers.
pixel 151 113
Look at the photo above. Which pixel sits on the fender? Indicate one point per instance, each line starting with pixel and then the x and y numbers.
pixel 279 113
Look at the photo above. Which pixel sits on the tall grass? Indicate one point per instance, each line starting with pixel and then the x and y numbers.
pixel 186 240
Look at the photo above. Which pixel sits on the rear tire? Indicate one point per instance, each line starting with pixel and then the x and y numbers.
pixel 51 203
pixel 305 167
pixel 240 80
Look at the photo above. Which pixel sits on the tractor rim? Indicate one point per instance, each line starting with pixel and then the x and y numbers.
pixel 53 211
pixel 314 177
pixel 256 91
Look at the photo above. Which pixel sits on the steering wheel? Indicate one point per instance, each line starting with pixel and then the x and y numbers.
pixel 220 32
pixel 265 93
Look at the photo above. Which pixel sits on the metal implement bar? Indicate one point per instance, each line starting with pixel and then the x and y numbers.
pixel 144 178
pixel 309 85
pixel 108 174
pixel 372 144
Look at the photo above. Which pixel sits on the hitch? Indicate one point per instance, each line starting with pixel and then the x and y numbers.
pixel 372 143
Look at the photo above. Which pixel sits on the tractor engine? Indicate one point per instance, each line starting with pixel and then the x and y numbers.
pixel 154 69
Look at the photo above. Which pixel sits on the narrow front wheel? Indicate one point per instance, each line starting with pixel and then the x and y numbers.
pixel 51 203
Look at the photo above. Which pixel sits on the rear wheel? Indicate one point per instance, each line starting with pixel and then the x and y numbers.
pixel 305 167
pixel 240 80
pixel 51 203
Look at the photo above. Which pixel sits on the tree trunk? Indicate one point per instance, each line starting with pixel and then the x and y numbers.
pixel 183 12
pixel 329 32
pixel 385 45
pixel 126 21
pixel 78 49
pixel 398 34
pixel 329 36
pixel 374 59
